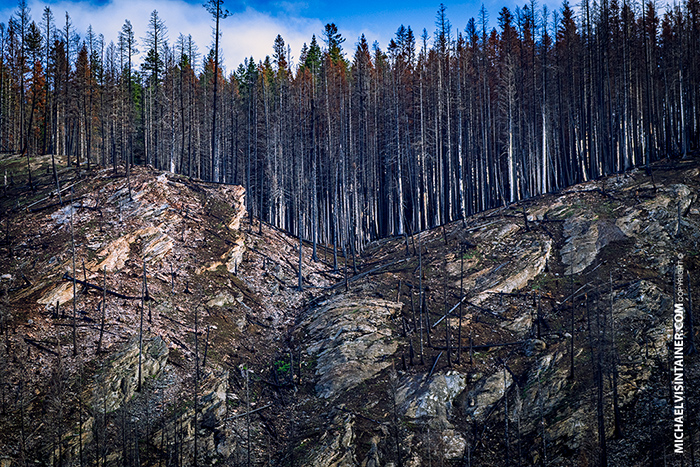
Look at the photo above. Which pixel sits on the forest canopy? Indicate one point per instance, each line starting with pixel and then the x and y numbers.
pixel 357 143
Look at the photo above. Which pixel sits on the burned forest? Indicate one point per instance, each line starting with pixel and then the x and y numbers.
pixel 476 246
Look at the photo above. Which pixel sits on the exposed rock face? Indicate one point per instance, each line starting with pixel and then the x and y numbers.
pixel 454 444
pixel 431 401
pixel 62 216
pixel 60 294
pixel 641 332
pixel 237 195
pixel 514 260
pixel 215 438
pixel 111 389
pixel 432 404
pixel 119 380
pixel 530 261
pixel 222 299
pixel 233 258
pixel 147 221
pixel 351 338
pixel 653 224
pixel 155 246
pixel 509 259
pixel 488 391
pixel 336 447
pixel 585 237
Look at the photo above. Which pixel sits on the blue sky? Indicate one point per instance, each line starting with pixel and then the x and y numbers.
pixel 253 24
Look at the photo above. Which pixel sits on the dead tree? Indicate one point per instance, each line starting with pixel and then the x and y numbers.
pixel 80 415
pixel 247 417
pixel 447 320
pixel 22 428
pixel 146 295
pixel 345 267
pixel 505 415
pixel 196 381
pixel 55 176
pixel 393 391
pixel 300 285
pixel 206 348
pixel 461 300
pixel 427 319
pixel 527 225
pixel 104 308
pixel 420 295
pixel 539 315
pixel 596 361
pixel 75 306
pixel 600 406
pixel 572 331
pixel 542 422
pixel 143 305
pixel 617 433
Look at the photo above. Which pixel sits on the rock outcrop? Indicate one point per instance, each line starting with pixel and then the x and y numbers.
pixel 118 381
pixel 343 375
pixel 350 338
pixel 431 401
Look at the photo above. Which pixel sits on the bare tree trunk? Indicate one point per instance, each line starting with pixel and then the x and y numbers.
pixel 505 415
pixel 300 285
pixel 80 416
pixel 143 305
pixel 461 300
pixel 196 383
pixel 447 318
pixel 247 416
pixel 571 349
pixel 75 308
pixel 206 349
pixel 104 308
pixel 420 295
pixel 618 432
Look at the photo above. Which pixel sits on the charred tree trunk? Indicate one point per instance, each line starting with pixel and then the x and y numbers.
pixel 75 306
pixel 104 308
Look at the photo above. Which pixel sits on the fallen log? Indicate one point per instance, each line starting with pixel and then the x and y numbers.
pixel 371 271
pixel 483 346
pixel 39 346
pixel 233 417
pixel 67 277
pixel 343 409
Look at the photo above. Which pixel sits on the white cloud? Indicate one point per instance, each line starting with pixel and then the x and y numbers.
pixel 243 34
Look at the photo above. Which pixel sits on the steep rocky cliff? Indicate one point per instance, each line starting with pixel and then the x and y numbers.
pixel 448 347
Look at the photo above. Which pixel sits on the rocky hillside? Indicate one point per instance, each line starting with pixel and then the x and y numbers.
pixel 146 320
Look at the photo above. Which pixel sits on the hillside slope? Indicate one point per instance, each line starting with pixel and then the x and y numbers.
pixel 351 370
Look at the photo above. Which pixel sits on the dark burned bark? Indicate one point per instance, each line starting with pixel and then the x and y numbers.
pixel 618 433
pixel 447 321
pixel 143 305
pixel 40 346
pixel 196 384
pixel 104 308
pixel 484 346
pixel 75 309
pixel 595 343
pixel 67 277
